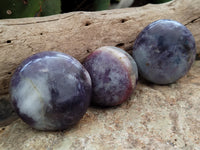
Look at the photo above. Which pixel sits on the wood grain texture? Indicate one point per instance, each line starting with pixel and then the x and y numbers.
pixel 80 33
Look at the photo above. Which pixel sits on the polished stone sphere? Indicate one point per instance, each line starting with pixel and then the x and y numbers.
pixel 114 74
pixel 164 51
pixel 50 91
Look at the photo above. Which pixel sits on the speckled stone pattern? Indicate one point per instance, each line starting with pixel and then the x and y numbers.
pixel 164 51
pixel 113 73
pixel 155 117
pixel 50 91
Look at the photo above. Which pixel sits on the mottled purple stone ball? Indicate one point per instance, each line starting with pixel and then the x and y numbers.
pixel 50 91
pixel 114 74
pixel 164 51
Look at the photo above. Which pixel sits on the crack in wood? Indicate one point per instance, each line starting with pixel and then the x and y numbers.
pixel 193 21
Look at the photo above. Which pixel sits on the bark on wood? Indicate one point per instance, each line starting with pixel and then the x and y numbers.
pixel 79 33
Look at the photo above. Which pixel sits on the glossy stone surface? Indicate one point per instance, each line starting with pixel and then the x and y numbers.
pixel 154 118
pixel 50 91
pixel 164 51
pixel 113 73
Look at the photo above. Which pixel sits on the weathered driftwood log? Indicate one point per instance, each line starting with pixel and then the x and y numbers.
pixel 79 33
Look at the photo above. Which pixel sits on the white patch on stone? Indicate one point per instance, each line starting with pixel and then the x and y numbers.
pixel 32 94
pixel 71 77
pixel 157 50
pixel 88 79
pixel 118 54
pixel 44 70
pixel 124 57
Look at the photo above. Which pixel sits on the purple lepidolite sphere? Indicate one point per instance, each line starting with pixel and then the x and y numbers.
pixel 50 91
pixel 113 73
pixel 164 51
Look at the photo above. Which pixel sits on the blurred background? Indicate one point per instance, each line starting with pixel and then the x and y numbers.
pixel 37 8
